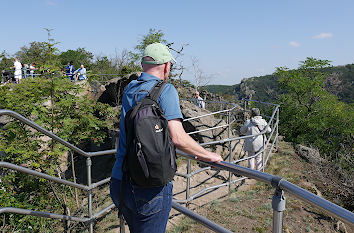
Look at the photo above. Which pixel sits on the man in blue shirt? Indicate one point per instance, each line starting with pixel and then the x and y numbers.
pixel 147 209
pixel 69 70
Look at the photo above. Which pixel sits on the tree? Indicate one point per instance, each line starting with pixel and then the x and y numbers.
pixel 200 78
pixel 6 62
pixel 125 63
pixel 78 56
pixel 157 36
pixel 36 52
pixel 58 105
pixel 312 116
pixel 154 36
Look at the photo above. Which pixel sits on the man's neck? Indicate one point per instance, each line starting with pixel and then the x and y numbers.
pixel 156 74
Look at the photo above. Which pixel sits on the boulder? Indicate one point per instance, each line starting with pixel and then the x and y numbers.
pixel 309 154
pixel 114 89
pixel 189 110
pixel 96 89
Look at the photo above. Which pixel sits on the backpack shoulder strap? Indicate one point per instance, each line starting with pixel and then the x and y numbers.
pixel 156 90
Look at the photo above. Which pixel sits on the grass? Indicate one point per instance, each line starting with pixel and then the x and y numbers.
pixel 183 225
pixel 251 210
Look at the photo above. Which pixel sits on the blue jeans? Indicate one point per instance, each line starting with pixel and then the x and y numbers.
pixel 144 209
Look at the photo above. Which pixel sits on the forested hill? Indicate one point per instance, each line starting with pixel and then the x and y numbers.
pixel 265 88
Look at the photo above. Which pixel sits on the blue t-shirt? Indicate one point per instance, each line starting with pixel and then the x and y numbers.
pixel 168 102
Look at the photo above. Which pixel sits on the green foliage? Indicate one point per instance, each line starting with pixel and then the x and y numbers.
pixel 153 36
pixel 220 89
pixel 340 82
pixel 310 115
pixel 56 105
pixel 36 52
pixel 6 62
pixel 78 56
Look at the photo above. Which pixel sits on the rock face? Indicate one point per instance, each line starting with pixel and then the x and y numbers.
pixel 111 93
pixel 189 110
pixel 96 89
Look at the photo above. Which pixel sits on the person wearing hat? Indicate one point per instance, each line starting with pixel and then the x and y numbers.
pixel 254 144
pixel 147 209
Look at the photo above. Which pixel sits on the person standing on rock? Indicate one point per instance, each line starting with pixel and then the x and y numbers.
pixel 198 101
pixel 18 70
pixel 254 144
pixel 146 209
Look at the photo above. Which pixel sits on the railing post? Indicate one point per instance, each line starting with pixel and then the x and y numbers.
pixel 188 183
pixel 263 151
pixel 89 182
pixel 278 205
pixel 230 145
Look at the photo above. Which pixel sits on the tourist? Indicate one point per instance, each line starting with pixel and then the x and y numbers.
pixel 18 74
pixel 147 209
pixel 255 144
pixel 198 101
pixel 80 74
pixel 69 69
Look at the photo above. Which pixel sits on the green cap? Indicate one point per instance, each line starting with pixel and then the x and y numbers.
pixel 159 52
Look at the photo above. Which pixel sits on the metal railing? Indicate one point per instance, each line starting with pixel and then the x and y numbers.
pixel 265 152
pixel 278 201
pixel 281 185
pixel 89 187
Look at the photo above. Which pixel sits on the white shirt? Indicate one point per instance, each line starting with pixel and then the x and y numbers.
pixel 17 65
pixel 253 127
pixel 31 69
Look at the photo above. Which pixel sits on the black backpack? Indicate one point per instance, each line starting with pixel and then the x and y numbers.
pixel 150 154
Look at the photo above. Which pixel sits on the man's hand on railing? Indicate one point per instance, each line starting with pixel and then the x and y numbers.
pixel 210 157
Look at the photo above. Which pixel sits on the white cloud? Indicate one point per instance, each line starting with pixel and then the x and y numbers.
pixel 294 44
pixel 323 35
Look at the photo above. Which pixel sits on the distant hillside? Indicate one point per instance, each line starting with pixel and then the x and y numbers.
pixel 265 88
pixel 221 89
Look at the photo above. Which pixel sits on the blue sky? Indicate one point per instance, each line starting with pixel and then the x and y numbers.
pixel 231 39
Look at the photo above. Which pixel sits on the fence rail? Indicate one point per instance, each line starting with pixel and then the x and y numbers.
pixel 278 201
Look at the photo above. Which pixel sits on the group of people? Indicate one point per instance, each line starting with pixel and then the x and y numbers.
pixel 146 208
pixel 75 75
pixel 23 70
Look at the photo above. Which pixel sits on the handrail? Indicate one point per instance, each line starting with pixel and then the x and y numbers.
pixel 88 156
pixel 203 220
pixel 279 182
pixel 42 175
pixel 41 214
pixel 53 136
pixel 42 130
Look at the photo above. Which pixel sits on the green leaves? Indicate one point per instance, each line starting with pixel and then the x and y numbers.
pixel 59 106
pixel 309 114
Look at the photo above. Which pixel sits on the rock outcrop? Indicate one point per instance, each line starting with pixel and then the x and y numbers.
pixel 309 154
pixel 112 91
pixel 189 110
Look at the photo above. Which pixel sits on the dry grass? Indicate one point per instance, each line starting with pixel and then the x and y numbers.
pixel 250 210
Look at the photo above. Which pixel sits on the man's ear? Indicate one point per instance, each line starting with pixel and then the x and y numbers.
pixel 165 70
